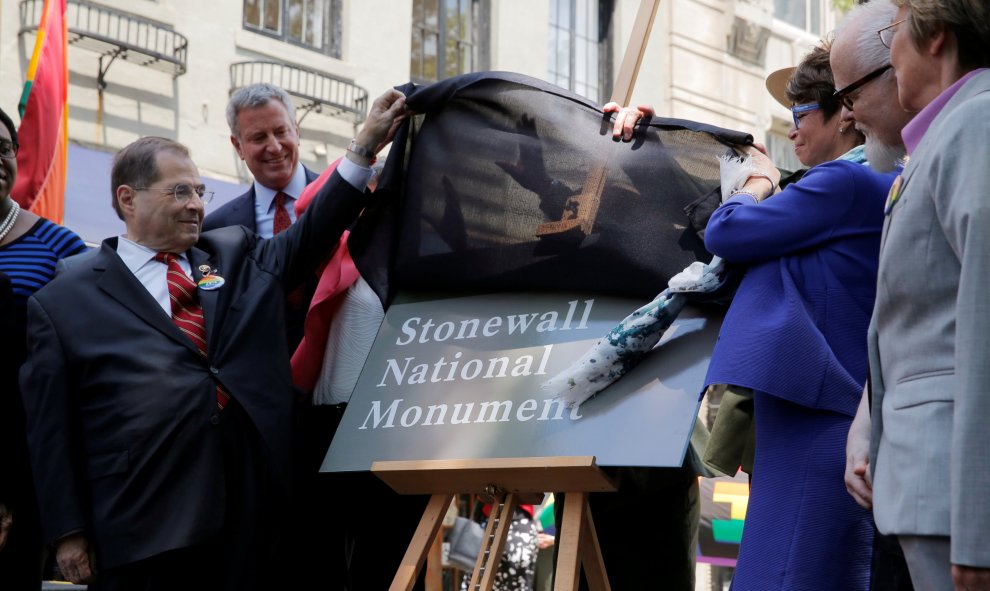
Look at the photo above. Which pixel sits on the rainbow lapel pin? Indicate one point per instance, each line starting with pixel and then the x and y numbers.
pixel 893 195
pixel 210 280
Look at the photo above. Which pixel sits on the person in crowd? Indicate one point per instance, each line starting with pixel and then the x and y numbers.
pixel 340 329
pixel 811 255
pixel 157 390
pixel 926 472
pixel 30 247
pixel 794 334
pixel 264 132
pixel 733 437
pixel 868 91
pixel 517 566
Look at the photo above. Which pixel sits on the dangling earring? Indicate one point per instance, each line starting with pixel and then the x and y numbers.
pixel 843 129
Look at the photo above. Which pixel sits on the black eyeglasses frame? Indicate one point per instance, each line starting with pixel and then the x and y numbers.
pixel 842 94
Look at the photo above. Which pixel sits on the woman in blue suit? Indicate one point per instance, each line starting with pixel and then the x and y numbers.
pixel 795 334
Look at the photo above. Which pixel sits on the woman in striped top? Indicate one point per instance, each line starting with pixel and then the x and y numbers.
pixel 30 246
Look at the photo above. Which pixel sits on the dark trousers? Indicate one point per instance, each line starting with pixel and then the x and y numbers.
pixel 21 558
pixel 350 530
pixel 889 570
pixel 190 569
pixel 315 534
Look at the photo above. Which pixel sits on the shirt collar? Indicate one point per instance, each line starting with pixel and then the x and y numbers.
pixel 265 197
pixel 136 255
pixel 917 127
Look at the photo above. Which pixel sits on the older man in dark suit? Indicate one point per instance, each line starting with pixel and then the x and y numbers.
pixel 157 392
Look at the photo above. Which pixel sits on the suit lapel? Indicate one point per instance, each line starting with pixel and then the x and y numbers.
pixel 243 211
pixel 208 298
pixel 310 176
pixel 119 283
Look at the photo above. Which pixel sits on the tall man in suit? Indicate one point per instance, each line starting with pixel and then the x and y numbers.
pixel 264 133
pixel 866 82
pixel 157 391
pixel 926 473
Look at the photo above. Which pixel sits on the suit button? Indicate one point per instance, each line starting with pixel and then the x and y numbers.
pixel 215 419
pixel 214 371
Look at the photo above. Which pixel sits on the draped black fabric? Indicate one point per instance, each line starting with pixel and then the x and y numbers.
pixel 493 156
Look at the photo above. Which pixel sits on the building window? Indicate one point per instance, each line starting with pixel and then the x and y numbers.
pixel 803 14
pixel 579 49
pixel 310 23
pixel 445 38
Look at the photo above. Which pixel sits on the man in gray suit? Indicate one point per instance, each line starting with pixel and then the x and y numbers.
pixel 930 338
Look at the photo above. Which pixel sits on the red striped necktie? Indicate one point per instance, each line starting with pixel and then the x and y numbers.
pixel 187 314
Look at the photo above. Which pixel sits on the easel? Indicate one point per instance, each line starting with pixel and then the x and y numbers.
pixel 509 481
pixel 582 209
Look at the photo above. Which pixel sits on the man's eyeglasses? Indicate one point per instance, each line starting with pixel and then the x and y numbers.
pixel 183 192
pixel 844 94
pixel 8 149
pixel 886 34
pixel 798 112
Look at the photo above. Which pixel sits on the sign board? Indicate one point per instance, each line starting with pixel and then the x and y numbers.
pixel 460 378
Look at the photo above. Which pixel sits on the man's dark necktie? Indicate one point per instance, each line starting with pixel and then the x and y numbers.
pixel 282 220
pixel 187 314
pixel 281 224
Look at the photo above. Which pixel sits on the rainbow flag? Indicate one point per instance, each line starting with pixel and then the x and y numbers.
pixel 44 109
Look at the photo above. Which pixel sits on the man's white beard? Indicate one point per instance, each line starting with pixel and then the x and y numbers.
pixel 882 157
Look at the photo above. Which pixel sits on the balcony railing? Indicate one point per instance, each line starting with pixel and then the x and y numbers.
pixel 318 91
pixel 115 34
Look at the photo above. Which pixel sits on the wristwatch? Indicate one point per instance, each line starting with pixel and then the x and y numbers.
pixel 360 150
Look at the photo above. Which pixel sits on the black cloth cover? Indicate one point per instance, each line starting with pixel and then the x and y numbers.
pixel 491 156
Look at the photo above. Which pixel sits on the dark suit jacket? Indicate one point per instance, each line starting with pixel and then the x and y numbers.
pixel 240 211
pixel 120 406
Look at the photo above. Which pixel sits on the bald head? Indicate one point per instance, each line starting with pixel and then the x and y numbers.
pixel 856 52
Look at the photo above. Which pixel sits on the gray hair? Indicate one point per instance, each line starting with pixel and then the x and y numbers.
pixel 864 20
pixel 253 96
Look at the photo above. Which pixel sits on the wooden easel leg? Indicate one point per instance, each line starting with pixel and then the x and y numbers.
pixel 434 565
pixel 591 554
pixel 492 546
pixel 577 545
pixel 567 577
pixel 426 532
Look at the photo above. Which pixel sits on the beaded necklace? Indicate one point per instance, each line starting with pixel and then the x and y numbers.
pixel 8 222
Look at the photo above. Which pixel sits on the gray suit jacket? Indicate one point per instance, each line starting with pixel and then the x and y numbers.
pixel 930 338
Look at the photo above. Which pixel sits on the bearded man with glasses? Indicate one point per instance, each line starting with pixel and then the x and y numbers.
pixel 926 471
pixel 865 83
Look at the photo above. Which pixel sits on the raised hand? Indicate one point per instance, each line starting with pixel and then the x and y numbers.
pixel 627 118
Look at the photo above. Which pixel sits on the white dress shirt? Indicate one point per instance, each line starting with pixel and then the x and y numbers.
pixel 152 274
pixel 264 198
